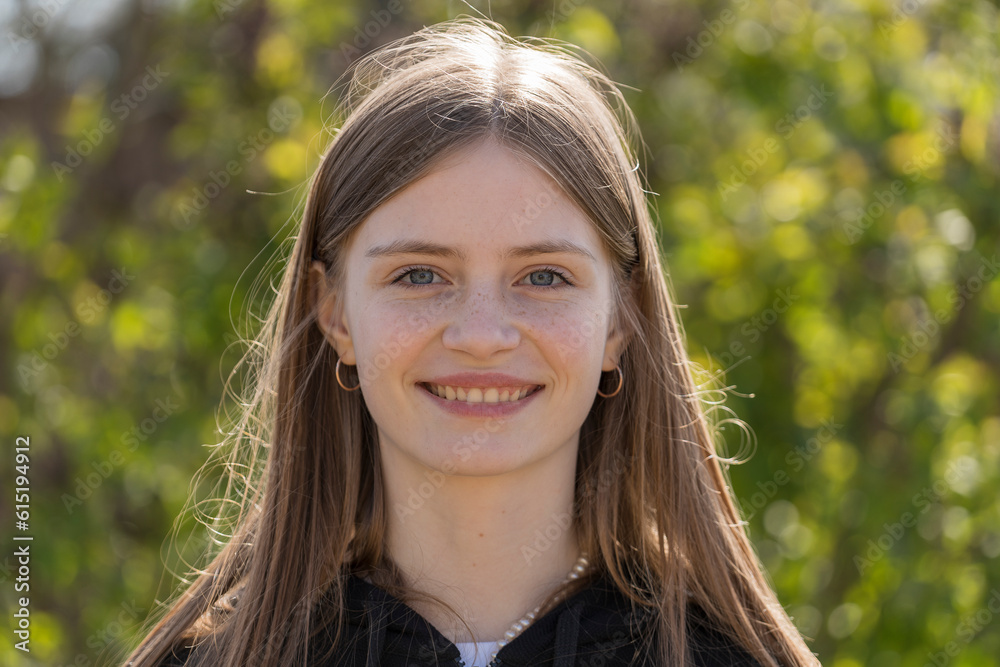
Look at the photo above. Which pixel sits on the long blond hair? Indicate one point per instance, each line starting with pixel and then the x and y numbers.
pixel 653 507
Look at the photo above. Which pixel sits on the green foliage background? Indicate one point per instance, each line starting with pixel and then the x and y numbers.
pixel 826 177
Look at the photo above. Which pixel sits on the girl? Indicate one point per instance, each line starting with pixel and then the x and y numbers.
pixel 483 442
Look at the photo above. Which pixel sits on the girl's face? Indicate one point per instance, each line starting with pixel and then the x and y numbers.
pixel 480 281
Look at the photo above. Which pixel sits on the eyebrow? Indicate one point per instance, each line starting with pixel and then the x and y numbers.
pixel 419 247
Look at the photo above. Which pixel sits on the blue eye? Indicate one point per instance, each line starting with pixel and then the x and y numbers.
pixel 550 280
pixel 420 276
pixel 424 275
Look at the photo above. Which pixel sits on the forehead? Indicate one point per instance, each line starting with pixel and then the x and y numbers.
pixel 482 198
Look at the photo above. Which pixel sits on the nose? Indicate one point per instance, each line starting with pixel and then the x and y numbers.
pixel 480 324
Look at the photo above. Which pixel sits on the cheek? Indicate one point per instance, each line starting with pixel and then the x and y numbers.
pixel 574 335
pixel 392 335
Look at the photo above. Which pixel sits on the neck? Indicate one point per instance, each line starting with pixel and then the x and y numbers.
pixel 492 547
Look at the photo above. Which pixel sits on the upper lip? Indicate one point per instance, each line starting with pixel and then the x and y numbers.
pixel 482 380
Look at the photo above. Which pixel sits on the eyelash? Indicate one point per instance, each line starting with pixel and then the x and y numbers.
pixel 397 280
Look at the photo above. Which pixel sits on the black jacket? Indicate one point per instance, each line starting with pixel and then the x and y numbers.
pixel 596 627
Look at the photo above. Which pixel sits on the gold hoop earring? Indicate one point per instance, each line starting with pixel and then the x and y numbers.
pixel 621 379
pixel 336 372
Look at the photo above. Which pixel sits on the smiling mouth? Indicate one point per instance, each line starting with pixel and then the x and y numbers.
pixel 481 394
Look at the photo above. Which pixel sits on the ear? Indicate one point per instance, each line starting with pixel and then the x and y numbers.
pixel 618 337
pixel 329 307
pixel 613 348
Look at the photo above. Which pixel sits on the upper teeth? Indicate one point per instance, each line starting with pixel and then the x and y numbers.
pixel 481 395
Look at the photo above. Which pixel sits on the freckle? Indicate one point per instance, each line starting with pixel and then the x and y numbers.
pixel 480 534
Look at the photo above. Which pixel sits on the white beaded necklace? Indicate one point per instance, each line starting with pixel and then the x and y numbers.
pixel 578 569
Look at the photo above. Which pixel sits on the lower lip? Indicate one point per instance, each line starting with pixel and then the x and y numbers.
pixel 466 409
